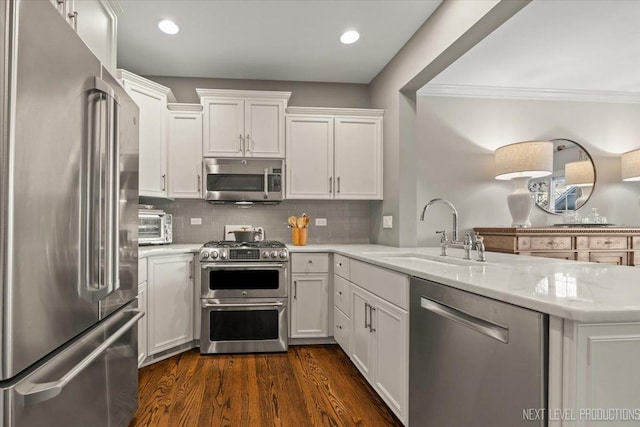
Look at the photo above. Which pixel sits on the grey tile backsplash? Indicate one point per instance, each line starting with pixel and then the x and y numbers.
pixel 347 221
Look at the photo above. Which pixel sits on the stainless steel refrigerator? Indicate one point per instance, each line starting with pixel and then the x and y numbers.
pixel 68 228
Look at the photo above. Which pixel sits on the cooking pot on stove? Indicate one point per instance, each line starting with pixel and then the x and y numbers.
pixel 247 235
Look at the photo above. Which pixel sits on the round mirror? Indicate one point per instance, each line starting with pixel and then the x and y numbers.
pixel 570 185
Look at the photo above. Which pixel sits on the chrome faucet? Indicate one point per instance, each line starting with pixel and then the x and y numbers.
pixel 453 211
pixel 479 242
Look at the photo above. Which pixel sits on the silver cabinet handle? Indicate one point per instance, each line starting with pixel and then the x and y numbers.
pixel 248 142
pixel 366 310
pixel 338 184
pixel 191 269
pixel 371 310
pixel 250 304
pixel 240 143
pixel 199 183
pixel 330 185
pixel 295 289
pixel 62 5
pixel 32 393
pixel 478 324
pixel 74 16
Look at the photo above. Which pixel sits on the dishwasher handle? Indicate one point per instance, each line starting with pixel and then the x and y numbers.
pixel 485 327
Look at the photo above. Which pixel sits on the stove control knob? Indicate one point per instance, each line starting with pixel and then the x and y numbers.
pixel 265 254
pixel 205 254
pixel 223 255
pixel 283 254
pixel 274 254
pixel 214 254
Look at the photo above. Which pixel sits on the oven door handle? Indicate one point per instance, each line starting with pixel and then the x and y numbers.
pixel 242 266
pixel 250 304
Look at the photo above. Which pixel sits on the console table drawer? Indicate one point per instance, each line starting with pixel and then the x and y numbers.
pixel 544 243
pixel 608 242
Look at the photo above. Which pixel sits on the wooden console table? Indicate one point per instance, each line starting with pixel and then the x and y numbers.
pixel 611 245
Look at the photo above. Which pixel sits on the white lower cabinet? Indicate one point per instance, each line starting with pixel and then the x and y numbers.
pixel 170 302
pixel 380 347
pixel 342 329
pixel 309 306
pixel 143 323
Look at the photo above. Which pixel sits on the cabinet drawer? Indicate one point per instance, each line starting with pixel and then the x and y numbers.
pixel 608 242
pixel 615 258
pixel 342 330
pixel 554 243
pixel 341 266
pixel 310 263
pixel 142 270
pixel 571 256
pixel 387 284
pixel 342 294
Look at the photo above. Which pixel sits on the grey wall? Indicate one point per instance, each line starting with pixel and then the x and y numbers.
pixel 457 137
pixel 347 221
pixel 304 94
pixel 452 30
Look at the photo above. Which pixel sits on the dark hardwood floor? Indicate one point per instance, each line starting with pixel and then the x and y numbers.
pixel 308 386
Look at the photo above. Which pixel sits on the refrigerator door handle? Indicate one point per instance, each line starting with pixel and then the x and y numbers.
pixel 31 393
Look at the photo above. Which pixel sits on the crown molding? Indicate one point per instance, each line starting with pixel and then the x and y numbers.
pixel 336 111
pixel 141 81
pixel 496 92
pixel 173 106
pixel 232 93
pixel 113 6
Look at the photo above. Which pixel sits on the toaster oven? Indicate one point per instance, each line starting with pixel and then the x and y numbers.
pixel 154 227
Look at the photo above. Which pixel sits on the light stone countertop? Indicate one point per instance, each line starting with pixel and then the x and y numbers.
pixel 580 291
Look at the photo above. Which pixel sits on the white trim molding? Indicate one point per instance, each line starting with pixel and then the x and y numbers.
pixel 134 78
pixel 252 94
pixel 497 92
pixel 173 106
pixel 336 111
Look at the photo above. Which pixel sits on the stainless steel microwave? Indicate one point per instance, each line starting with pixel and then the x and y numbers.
pixel 243 181
pixel 155 227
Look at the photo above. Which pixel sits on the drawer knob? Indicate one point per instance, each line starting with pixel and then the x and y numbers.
pixel 339 292
pixel 310 261
pixel 608 242
pixel 339 264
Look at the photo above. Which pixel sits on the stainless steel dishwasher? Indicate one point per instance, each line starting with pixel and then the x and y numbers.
pixel 474 361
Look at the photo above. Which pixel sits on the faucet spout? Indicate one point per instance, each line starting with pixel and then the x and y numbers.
pixel 453 211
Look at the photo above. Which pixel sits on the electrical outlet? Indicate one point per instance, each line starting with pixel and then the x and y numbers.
pixel 321 222
pixel 387 221
pixel 196 221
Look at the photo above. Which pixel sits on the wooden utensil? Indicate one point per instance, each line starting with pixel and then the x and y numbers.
pixel 306 220
pixel 300 222
pixel 293 221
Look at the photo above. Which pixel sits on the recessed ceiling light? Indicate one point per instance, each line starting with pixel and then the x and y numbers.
pixel 168 26
pixel 349 37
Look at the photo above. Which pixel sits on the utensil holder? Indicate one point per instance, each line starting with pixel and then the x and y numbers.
pixel 299 236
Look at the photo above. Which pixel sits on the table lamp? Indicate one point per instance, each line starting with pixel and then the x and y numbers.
pixel 631 166
pixel 519 162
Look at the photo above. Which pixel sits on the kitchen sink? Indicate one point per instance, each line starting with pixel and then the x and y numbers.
pixel 417 257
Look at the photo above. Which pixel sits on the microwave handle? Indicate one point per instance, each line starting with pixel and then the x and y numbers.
pixel 266 183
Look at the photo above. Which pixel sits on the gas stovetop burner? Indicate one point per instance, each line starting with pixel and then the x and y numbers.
pixel 233 244
pixel 230 251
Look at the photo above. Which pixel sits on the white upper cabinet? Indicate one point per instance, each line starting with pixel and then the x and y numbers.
pixel 151 99
pixel 185 151
pixel 243 123
pixel 334 154
pixel 309 157
pixel 96 23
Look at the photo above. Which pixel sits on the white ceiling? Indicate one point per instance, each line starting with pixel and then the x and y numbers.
pixel 561 44
pixel 267 40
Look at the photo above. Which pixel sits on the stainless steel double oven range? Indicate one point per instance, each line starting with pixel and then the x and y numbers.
pixel 243 297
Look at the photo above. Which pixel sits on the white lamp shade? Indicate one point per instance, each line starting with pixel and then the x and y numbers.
pixel 579 174
pixel 530 159
pixel 631 166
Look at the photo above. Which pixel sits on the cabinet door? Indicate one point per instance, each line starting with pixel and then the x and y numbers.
pixel 361 335
pixel 391 355
pixel 264 128
pixel 96 26
pixel 309 157
pixel 185 155
pixel 153 137
pixel 358 157
pixel 223 127
pixel 170 302
pixel 309 305
pixel 143 323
